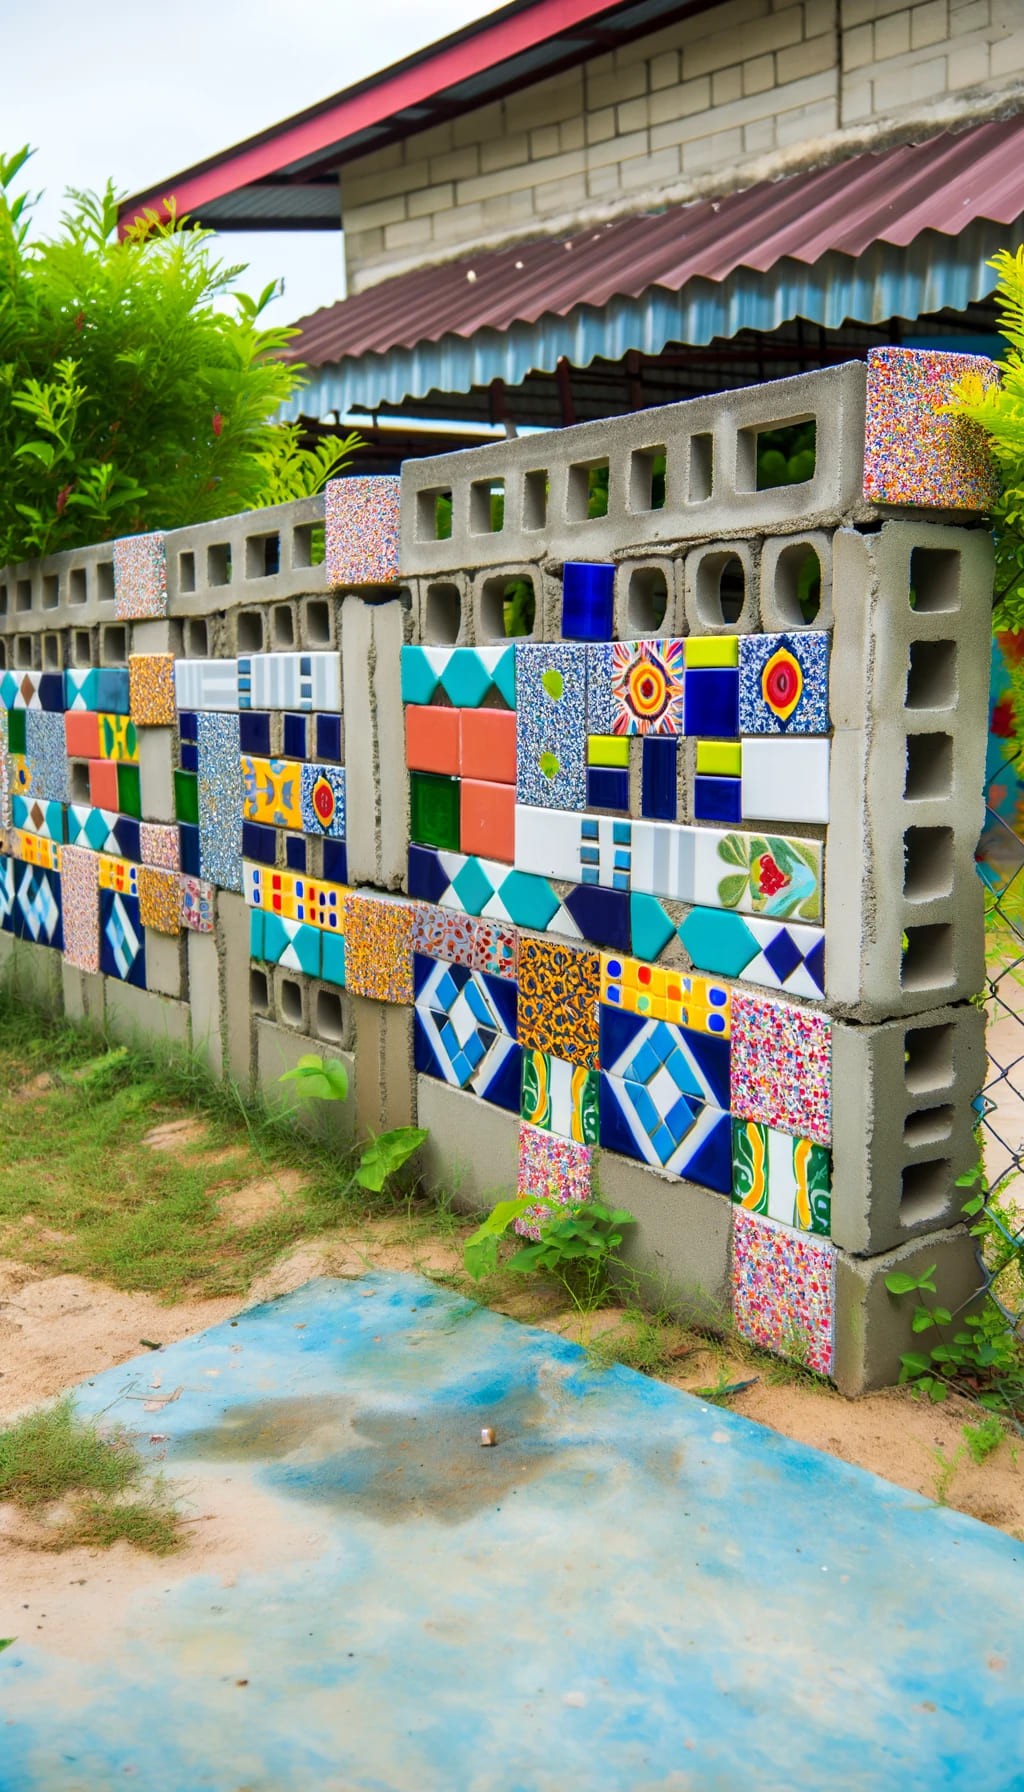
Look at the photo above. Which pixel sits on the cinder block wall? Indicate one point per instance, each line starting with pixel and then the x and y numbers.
pixel 750 88
pixel 671 897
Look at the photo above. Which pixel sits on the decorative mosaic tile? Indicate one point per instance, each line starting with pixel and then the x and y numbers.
pixel 638 1050
pixel 117 738
pixel 664 859
pixel 647 687
pixel 151 685
pixel 35 849
pixel 296 851
pixel 784 683
pixel 118 874
pixel 487 819
pixel 782 1067
pixel 496 951
pixel 129 790
pixel 605 851
pixel 7 897
pixel 787 1178
pixel 785 779
pixel 597 915
pixel 783 1287
pixel 482 887
pixel 332 960
pixel 159 899
pixel 758 874
pixel 553 1169
pixel 160 845
pixel 601 704
pixel 271 791
pixel 588 600
pixel 298 681
pixel 122 940
pixel 322 800
pixel 206 685
pixel 434 810
pixel 327 737
pixel 80 896
pixel 36 913
pixel 711 650
pixel 650 927
pixel 473 676
pixel 296 736
pixel 19 777
pixel 551 725
pixel 186 795
pixel 609 751
pixel 20 690
pixel 220 801
pixel 660 1124
pixel 103 792
pixel 45 818
pixel 361 529
pixel 438 933
pixel 558 1001
pixel 292 944
pixel 719 758
pixel 465 1024
pixel 547 843
pixel 608 788
pixel 777 955
pixel 46 753
pixel 82 734
pixel 487 744
pixel 378 948
pixel 140 577
pixel 197 905
pixel 658 993
pixel 914 453
pixel 719 799
pixel 253 733
pixel 561 1097
pixel 296 898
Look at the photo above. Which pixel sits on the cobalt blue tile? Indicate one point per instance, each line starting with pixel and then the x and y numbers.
pixel 254 732
pixel 424 1056
pixel 328 738
pixel 505 1088
pixel 37 912
pixel 717 799
pixel 658 778
pixel 614 1130
pixel 295 737
pixel 711 702
pixel 189 756
pixel 588 589
pixel 505 996
pixel 428 878
pixel 259 842
pixel 422 969
pixel 335 862
pixel 51 692
pixel 188 838
pixel 295 852
pixel 187 725
pixel 601 915
pixel 608 788
pixel 126 833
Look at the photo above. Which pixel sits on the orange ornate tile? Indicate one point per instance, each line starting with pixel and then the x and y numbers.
pixel 82 733
pixel 488 745
pixel 159 899
pixel 559 988
pixel 378 948
pixel 488 820
pixel 151 690
pixel 432 738
pixel 103 784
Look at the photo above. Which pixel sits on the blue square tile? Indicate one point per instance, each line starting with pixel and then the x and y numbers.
pixel 717 799
pixel 51 692
pixel 607 788
pixel 294 737
pixel 336 862
pixel 328 738
pixel 588 598
pixel 295 852
pixel 254 732
pixel 187 724
pixel 601 915
pixel 259 842
pixel 658 777
pixel 711 702
pixel 127 836
pixel 188 839
pixel 189 756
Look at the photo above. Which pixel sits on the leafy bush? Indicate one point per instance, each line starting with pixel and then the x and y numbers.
pixel 1000 412
pixel 136 386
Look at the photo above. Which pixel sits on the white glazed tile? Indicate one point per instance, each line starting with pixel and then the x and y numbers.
pixel 206 684
pixel 548 842
pixel 663 862
pixel 784 778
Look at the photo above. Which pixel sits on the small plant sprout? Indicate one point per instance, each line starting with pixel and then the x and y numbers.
pixel 325 1079
pixel 576 1244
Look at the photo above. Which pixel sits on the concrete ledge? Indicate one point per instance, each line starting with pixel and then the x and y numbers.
pixel 472 1150
pixel 279 1049
pixel 677 1256
pixel 138 1014
pixel 874 1327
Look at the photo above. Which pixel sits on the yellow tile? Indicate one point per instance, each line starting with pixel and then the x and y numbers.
pixel 712 650
pixel 660 993
pixel 271 791
pixel 720 758
pixel 608 749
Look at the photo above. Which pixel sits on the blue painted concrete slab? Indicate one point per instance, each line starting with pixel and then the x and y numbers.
pixel 632 1592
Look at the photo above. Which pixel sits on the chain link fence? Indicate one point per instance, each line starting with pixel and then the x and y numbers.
pixel 1001 1105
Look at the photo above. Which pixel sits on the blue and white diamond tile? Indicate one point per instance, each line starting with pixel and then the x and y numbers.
pixel 661 1125
pixel 465 1024
pixel 122 938
pixel 7 870
pixel 775 954
pixel 36 915
pixel 660 1054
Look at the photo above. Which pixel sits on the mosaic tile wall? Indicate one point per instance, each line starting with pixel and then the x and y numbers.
pixel 613 925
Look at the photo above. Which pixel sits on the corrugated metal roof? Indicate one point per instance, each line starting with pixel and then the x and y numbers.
pixel 890 197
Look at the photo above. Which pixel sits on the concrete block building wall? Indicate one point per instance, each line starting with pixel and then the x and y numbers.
pixel 749 88
pixel 670 896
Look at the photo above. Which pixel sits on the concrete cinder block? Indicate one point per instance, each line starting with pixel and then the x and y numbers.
pixel 389 746
pixel 156 636
pixel 873 1328
pixel 903 1125
pixel 648 597
pixel 236 1012
pixel 782 560
pixel 34 973
pixel 720 588
pixel 677 1255
pixel 442 611
pixel 357 670
pixel 84 995
pixel 472 1149
pixel 156 771
pixel 204 999
pixel 385 1092
pixel 909 701
pixel 489 595
pixel 278 1050
pixel 139 1015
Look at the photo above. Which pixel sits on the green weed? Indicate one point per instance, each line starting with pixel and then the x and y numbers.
pixel 54 1455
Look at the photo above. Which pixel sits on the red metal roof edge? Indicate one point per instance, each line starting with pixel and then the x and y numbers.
pixel 497 37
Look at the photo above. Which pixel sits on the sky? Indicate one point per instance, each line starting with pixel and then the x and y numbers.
pixel 135 93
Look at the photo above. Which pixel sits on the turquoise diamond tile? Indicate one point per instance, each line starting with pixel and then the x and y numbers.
pixel 302 952
pixel 717 941
pixel 81 689
pixel 528 901
pixel 466 679
pixel 472 886
pixel 650 926
pixel 276 935
pixel 257 916
pixel 503 675
pixel 421 670
pixel 333 959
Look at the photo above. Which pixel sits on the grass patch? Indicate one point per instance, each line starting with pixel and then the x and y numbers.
pixel 53 1456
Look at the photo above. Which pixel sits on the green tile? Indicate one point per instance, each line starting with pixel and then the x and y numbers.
pixel 434 810
pixel 16 731
pixel 186 796
pixel 129 791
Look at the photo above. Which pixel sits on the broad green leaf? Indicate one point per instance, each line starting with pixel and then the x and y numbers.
pixel 386 1154
pixel 901 1283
